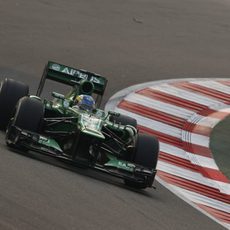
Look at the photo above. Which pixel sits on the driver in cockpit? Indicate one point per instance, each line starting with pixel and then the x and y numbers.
pixel 85 102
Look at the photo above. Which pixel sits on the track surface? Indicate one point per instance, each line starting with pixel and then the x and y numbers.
pixel 129 42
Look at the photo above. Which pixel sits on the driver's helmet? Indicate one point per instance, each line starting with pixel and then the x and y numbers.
pixel 85 102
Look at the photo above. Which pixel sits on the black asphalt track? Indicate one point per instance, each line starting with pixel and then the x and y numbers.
pixel 129 42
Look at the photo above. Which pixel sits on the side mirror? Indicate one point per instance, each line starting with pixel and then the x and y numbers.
pixel 58 95
pixel 65 102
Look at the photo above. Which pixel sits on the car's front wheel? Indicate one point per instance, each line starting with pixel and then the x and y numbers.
pixel 146 154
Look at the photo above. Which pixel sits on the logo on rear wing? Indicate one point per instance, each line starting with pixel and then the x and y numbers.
pixel 75 73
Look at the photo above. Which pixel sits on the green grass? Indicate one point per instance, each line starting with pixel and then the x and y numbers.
pixel 220 145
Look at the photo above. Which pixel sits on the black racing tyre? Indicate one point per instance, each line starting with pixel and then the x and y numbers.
pixel 147 150
pixel 123 120
pixel 10 92
pixel 146 154
pixel 29 114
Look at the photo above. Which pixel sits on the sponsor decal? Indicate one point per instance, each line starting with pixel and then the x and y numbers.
pixel 76 73
pixel 125 166
pixel 81 75
pixel 95 80
pixel 56 67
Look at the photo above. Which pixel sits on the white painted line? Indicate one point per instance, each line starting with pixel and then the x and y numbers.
pixel 184 94
pixel 193 158
pixel 213 85
pixel 185 198
pixel 193 176
pixel 200 199
pixel 159 105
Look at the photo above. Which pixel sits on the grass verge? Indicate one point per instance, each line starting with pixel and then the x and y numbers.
pixel 220 145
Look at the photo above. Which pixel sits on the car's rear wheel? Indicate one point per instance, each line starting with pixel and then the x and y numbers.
pixel 146 154
pixel 29 114
pixel 10 92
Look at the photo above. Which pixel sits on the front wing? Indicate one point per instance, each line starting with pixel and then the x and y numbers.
pixel 48 146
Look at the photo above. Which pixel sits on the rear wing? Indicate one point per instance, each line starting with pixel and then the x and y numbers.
pixel 71 76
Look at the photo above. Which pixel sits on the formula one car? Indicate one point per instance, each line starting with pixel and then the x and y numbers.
pixel 72 127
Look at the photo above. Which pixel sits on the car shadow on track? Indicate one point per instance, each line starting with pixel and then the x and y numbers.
pixel 83 171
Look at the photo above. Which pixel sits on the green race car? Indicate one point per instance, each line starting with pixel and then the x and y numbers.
pixel 72 127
